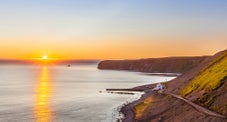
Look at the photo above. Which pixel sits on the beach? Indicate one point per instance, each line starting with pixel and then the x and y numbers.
pixel 127 110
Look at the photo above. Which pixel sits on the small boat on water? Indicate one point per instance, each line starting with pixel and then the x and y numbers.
pixel 68 65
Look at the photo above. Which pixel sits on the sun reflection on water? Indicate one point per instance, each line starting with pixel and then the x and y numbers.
pixel 42 109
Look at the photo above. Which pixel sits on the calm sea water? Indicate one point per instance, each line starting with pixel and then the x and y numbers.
pixel 64 94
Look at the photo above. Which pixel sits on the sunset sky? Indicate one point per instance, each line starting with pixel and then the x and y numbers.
pixel 111 29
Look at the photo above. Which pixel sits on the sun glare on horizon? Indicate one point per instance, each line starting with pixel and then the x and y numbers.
pixel 45 57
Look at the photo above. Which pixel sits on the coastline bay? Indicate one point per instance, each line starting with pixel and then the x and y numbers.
pixel 60 93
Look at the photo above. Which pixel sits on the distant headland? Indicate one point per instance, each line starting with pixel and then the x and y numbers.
pixel 154 65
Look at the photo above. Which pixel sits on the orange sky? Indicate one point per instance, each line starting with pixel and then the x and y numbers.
pixel 100 29
pixel 126 48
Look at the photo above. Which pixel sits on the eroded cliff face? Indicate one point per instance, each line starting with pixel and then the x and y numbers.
pixel 154 65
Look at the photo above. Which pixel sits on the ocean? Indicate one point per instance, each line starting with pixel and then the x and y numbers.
pixel 44 93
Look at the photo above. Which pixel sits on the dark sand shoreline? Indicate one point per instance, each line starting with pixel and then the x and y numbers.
pixel 128 109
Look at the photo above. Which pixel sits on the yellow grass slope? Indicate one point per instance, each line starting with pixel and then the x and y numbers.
pixel 210 78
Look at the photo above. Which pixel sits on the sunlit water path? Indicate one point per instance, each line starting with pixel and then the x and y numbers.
pixel 42 109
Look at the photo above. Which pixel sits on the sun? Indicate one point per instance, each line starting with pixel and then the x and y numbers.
pixel 45 57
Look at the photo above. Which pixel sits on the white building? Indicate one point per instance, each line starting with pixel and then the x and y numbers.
pixel 159 86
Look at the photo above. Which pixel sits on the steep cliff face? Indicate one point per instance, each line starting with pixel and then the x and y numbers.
pixel 154 65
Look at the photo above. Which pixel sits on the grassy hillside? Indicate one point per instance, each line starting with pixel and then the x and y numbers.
pixel 210 78
pixel 208 88
pixel 205 84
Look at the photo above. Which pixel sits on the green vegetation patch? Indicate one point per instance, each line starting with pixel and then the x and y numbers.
pixel 206 100
pixel 210 78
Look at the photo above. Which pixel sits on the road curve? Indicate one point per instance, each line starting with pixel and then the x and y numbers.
pixel 197 107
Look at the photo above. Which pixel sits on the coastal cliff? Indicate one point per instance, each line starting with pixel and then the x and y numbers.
pixel 154 65
pixel 204 85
